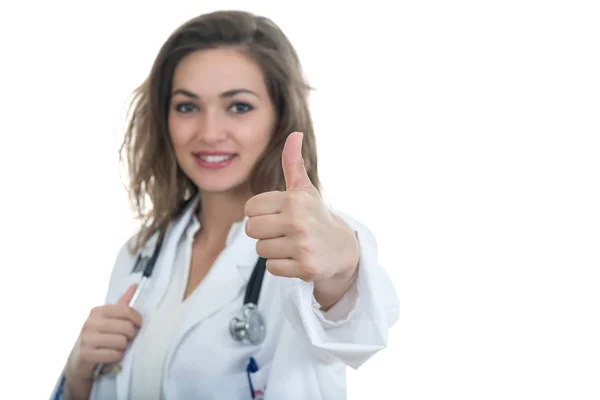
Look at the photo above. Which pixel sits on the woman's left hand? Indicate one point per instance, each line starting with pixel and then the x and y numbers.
pixel 297 233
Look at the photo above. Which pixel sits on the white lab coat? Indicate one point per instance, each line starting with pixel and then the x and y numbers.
pixel 305 352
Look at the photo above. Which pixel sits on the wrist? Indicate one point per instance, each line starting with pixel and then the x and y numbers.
pixel 77 387
pixel 78 383
pixel 329 291
pixel 350 256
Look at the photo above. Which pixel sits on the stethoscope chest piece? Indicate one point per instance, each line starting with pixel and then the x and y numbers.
pixel 251 327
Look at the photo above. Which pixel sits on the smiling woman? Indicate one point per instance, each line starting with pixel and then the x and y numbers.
pixel 220 142
pixel 220 95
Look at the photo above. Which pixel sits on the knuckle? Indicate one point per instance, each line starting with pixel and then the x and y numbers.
pixel 113 356
pixel 83 342
pixel 298 195
pixel 250 206
pixel 121 342
pixel 260 247
pixel 117 355
pixel 130 329
pixel 88 325
pixel 274 269
pixel 131 314
pixel 296 223
pixel 250 227
pixel 293 199
pixel 309 269
pixel 84 355
pixel 95 311
pixel 304 247
pixel 122 309
pixel 136 318
pixel 309 272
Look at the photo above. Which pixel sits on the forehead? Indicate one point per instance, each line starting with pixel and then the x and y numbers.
pixel 211 72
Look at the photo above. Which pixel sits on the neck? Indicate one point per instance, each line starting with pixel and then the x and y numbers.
pixel 218 211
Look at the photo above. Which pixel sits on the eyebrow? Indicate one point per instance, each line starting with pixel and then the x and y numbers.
pixel 227 94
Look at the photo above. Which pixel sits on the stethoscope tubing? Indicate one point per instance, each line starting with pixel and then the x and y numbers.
pixel 250 298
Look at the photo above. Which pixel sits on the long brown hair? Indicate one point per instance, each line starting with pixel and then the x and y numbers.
pixel 157 185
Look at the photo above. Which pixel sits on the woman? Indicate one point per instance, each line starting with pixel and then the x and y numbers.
pixel 223 174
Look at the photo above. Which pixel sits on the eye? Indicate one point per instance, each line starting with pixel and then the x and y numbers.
pixel 241 108
pixel 185 107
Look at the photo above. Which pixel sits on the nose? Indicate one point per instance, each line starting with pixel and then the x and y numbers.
pixel 211 129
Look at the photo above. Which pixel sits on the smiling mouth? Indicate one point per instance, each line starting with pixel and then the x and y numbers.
pixel 210 158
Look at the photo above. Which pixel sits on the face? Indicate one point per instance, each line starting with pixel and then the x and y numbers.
pixel 220 118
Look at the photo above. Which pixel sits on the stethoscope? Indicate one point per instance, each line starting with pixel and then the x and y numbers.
pixel 249 328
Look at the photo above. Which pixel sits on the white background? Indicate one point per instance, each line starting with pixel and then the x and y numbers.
pixel 465 134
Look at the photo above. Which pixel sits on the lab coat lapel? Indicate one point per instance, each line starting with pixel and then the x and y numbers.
pixel 156 286
pixel 225 281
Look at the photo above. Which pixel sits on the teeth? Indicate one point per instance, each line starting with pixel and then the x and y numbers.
pixel 216 159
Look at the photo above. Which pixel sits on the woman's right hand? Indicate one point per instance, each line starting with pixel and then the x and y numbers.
pixel 103 338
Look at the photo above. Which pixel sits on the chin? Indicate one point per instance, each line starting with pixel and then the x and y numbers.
pixel 221 186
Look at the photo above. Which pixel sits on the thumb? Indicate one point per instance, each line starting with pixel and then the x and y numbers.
pixel 294 171
pixel 128 295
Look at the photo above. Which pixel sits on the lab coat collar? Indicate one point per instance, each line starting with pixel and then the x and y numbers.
pixel 148 248
pixel 189 219
pixel 158 282
pixel 227 277
pixel 225 282
pixel 244 257
pixel 236 237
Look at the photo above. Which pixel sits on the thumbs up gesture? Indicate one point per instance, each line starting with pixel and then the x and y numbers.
pixel 297 233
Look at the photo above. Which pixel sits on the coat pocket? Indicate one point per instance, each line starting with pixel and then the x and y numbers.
pixel 258 381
